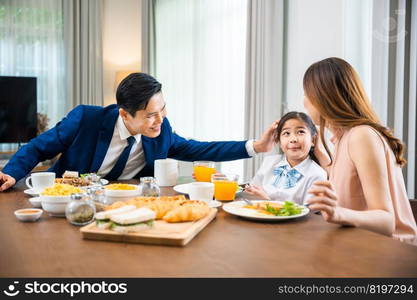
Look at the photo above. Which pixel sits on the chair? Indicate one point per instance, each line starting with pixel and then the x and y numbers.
pixel 413 203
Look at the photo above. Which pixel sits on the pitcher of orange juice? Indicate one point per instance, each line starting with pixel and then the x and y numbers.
pixel 203 170
pixel 225 186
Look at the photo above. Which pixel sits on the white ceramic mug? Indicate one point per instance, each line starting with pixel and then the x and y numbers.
pixel 166 171
pixel 203 191
pixel 40 180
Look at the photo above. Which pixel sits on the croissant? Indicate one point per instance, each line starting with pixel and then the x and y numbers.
pixel 160 205
pixel 115 205
pixel 189 211
pixel 160 208
pixel 169 208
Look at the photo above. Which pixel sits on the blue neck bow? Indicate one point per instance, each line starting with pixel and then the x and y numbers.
pixel 289 177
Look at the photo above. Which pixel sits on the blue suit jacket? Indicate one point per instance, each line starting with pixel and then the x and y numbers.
pixel 84 136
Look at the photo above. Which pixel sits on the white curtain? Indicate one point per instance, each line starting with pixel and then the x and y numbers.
pixel 394 75
pixel 264 70
pixel 31 44
pixel 84 51
pixel 199 58
pixel 148 36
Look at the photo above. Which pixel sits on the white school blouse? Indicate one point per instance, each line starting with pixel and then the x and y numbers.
pixel 308 168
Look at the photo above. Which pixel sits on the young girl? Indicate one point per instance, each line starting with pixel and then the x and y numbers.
pixel 366 187
pixel 289 176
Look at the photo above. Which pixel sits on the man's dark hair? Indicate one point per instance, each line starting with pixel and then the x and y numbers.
pixel 135 91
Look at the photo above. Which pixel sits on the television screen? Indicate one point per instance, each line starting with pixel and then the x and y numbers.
pixel 18 109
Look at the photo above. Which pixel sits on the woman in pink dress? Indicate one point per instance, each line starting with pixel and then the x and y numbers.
pixel 366 187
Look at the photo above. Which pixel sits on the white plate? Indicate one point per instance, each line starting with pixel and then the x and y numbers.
pixel 237 208
pixel 215 203
pixel 31 192
pixel 35 201
pixel 183 189
pixel 104 181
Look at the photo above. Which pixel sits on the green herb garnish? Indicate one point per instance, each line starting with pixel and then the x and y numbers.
pixel 114 224
pixel 103 221
pixel 289 209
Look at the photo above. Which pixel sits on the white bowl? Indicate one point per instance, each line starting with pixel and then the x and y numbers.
pixel 28 214
pixel 121 195
pixel 35 201
pixel 55 199
pixel 55 205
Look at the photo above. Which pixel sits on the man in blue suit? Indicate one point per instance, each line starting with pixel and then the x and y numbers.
pixel 122 141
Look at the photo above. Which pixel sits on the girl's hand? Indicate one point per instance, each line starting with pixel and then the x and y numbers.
pixel 324 199
pixel 256 191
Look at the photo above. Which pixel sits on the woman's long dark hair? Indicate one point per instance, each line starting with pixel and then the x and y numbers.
pixel 303 118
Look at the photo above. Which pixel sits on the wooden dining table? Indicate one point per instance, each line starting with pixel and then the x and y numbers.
pixel 229 246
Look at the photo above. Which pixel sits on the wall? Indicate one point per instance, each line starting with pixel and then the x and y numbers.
pixel 323 28
pixel 121 41
pixel 315 31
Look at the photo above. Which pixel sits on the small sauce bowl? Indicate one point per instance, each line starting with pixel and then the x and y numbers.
pixel 28 214
pixel 35 201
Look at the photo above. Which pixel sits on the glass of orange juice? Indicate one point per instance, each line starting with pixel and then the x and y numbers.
pixel 225 186
pixel 203 170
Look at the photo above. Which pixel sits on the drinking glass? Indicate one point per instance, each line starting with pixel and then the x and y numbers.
pixel 225 186
pixel 203 170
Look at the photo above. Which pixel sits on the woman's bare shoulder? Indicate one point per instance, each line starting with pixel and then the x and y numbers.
pixel 364 134
pixel 364 140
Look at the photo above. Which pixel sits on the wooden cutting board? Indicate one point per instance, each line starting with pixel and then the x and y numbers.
pixel 162 233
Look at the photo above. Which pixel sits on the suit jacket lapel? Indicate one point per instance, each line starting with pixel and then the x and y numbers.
pixel 104 138
pixel 148 145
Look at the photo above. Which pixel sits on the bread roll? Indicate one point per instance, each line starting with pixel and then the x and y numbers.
pixel 188 211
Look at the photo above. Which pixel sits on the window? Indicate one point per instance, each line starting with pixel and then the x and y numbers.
pixel 31 44
pixel 200 60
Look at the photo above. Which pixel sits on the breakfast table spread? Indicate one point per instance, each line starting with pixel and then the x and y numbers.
pixel 228 246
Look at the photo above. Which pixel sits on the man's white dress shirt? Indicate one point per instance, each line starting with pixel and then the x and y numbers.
pixel 136 161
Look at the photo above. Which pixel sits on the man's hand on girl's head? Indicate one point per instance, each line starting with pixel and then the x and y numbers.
pixel 267 141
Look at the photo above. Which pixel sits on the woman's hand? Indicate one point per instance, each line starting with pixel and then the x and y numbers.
pixel 267 141
pixel 324 199
pixel 256 191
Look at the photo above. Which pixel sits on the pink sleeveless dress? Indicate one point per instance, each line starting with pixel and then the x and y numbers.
pixel 345 179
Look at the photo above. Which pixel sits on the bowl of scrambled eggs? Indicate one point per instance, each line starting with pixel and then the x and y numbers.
pixel 120 192
pixel 54 199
